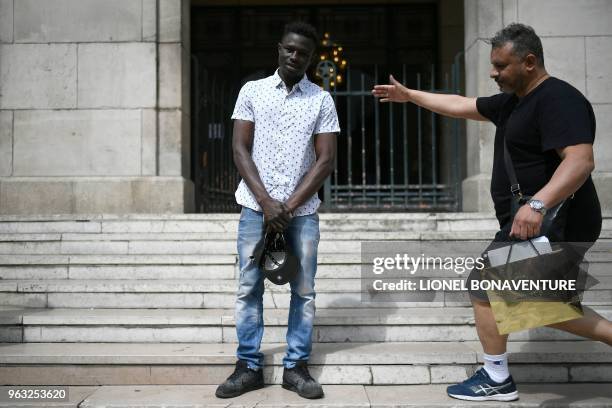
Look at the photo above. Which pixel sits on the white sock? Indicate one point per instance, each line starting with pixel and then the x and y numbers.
pixel 496 366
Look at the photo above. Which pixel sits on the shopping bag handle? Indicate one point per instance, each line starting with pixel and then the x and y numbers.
pixel 510 252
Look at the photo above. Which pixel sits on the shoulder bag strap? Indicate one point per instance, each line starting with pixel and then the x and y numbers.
pixel 515 187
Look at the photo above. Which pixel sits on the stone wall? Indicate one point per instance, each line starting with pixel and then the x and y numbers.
pixel 94 106
pixel 94 98
pixel 577 40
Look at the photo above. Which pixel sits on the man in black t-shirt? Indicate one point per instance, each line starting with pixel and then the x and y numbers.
pixel 549 129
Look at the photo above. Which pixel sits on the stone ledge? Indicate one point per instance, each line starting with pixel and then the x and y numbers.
pixel 228 286
pixel 272 317
pixel 323 353
pixel 223 354
pixel 349 217
pixel 553 352
pixel 28 195
pixel 161 217
pixel 225 317
pixel 117 259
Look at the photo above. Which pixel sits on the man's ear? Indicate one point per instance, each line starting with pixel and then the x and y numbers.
pixel 531 62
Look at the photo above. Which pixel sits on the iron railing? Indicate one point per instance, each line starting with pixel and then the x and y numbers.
pixel 392 160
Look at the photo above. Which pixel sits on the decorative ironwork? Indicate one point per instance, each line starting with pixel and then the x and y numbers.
pixel 392 158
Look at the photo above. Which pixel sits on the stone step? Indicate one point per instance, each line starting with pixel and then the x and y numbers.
pixel 338 286
pixel 218 325
pixel 333 216
pixel 133 242
pixel 120 272
pixel 211 243
pixel 231 236
pixel 416 244
pixel 216 247
pixel 331 293
pixel 202 271
pixel 225 247
pixel 219 300
pixel 331 363
pixel 227 223
pixel 194 247
pixel 355 396
pixel 484 235
pixel 6 260
pixel 596 256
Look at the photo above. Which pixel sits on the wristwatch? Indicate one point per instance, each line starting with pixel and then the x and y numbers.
pixel 538 206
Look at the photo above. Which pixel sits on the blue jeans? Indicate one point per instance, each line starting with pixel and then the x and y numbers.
pixel 303 236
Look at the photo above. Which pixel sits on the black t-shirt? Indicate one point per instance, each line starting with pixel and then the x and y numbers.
pixel 553 115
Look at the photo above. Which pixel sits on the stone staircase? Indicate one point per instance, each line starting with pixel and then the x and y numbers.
pixel 141 300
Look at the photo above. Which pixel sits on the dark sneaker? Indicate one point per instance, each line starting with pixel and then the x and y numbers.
pixel 242 380
pixel 298 379
pixel 480 387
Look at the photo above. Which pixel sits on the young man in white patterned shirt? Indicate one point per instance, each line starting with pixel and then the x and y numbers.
pixel 284 145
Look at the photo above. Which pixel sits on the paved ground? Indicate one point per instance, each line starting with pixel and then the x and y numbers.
pixel 421 396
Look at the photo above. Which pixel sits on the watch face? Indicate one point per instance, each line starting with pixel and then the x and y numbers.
pixel 536 204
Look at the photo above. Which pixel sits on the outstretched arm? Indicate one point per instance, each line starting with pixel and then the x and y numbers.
pixel 455 106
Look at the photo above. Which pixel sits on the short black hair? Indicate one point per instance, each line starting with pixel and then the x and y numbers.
pixel 524 41
pixel 302 28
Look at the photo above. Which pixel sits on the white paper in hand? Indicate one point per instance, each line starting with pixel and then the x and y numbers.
pixel 520 250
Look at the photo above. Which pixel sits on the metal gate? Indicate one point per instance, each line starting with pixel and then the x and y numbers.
pixel 391 157
pixel 214 174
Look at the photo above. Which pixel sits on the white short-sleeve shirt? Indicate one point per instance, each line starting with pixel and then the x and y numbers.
pixel 283 143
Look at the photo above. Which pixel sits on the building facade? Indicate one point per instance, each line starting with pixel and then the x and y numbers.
pixel 95 96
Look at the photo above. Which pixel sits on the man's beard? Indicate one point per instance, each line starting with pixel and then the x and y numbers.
pixel 504 88
pixel 518 84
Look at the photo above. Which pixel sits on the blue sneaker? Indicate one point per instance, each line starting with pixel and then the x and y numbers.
pixel 480 387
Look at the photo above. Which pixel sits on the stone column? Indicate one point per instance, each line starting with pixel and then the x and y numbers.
pixel 579 53
pixel 94 106
pixel 482 19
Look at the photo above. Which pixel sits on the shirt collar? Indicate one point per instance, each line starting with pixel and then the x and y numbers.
pixel 301 85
